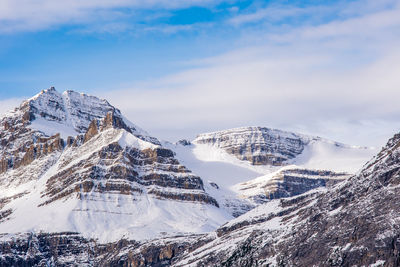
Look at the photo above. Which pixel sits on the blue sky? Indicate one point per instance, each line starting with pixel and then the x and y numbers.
pixel 184 67
pixel 138 43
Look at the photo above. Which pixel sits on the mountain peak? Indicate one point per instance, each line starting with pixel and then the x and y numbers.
pixel 68 114
pixel 72 109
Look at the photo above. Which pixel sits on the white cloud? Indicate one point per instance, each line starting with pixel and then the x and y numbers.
pixel 311 13
pixel 273 13
pixel 32 15
pixel 325 80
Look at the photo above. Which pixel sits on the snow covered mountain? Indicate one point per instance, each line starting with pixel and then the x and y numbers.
pixel 71 162
pixel 81 185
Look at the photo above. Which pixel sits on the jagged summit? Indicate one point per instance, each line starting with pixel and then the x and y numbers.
pixel 69 114
pixel 69 108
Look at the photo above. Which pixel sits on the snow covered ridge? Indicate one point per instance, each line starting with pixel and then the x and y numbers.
pixel 240 169
pixel 262 146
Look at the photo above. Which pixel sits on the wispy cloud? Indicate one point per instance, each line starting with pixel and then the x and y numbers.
pixel 336 79
pixel 327 69
pixel 310 14
pixel 28 15
pixel 274 13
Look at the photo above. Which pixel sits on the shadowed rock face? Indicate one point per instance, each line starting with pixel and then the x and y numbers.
pixel 21 145
pixel 298 181
pixel 289 183
pixel 62 249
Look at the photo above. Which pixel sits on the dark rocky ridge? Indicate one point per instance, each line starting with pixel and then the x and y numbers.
pixel 291 182
pixel 70 249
